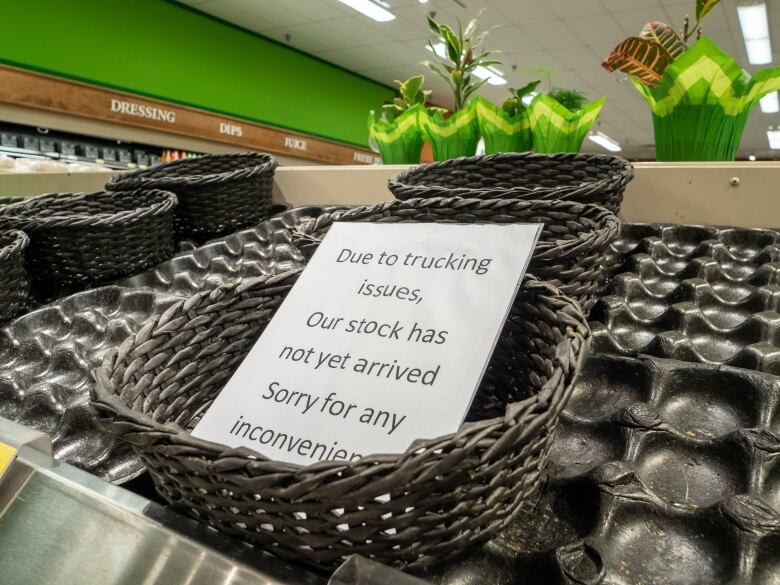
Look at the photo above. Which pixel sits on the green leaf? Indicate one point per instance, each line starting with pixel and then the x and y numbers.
pixel 665 36
pixel 703 7
pixel 411 87
pixel 433 25
pixel 645 59
pixel 526 89
pixel 471 28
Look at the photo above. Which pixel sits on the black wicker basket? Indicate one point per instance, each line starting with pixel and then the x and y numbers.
pixel 14 280
pixel 80 239
pixel 218 193
pixel 569 254
pixel 8 200
pixel 412 509
pixel 585 178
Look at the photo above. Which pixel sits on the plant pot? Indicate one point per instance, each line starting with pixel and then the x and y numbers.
pixel 454 136
pixel 399 141
pixel 555 128
pixel 702 103
pixel 502 132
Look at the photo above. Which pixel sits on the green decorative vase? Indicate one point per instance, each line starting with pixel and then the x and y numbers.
pixel 555 128
pixel 451 137
pixel 399 141
pixel 502 132
pixel 702 103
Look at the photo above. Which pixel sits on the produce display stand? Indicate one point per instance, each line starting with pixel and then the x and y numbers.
pixel 662 470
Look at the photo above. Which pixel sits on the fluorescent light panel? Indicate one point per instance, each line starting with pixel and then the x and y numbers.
pixel 774 139
pixel 755 30
pixel 493 75
pixel 529 97
pixel 605 141
pixel 370 9
pixel 769 103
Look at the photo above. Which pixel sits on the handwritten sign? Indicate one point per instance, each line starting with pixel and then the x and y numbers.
pixel 383 340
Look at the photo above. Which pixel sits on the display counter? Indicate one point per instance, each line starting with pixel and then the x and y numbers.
pixel 634 475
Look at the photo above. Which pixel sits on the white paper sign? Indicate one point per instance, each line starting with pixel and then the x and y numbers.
pixel 383 340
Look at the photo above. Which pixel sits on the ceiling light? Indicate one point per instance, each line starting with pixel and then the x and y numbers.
pixel 529 97
pixel 370 9
pixel 606 142
pixel 423 1
pixel 755 29
pixel 774 138
pixel 769 103
pixel 752 157
pixel 493 75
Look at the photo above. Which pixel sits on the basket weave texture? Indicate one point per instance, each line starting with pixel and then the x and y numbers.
pixel 585 178
pixel 218 193
pixel 569 253
pixel 15 282
pixel 412 509
pixel 80 239
pixel 8 200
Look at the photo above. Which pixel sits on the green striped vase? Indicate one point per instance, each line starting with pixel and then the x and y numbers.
pixel 451 137
pixel 555 128
pixel 702 103
pixel 502 132
pixel 399 141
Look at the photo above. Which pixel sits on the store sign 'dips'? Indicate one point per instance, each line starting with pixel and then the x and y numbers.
pixel 141 111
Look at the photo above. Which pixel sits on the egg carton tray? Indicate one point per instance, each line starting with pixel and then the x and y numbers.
pixel 661 472
pixel 262 250
pixel 47 354
pixel 693 293
pixel 45 361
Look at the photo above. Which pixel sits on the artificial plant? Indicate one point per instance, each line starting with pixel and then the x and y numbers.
pixel 557 128
pixel 461 54
pixel 506 129
pixel 396 128
pixel 699 96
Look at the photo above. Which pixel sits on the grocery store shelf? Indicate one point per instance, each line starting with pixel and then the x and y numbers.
pixel 742 194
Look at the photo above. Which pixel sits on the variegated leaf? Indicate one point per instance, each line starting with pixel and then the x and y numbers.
pixel 703 7
pixel 665 36
pixel 645 59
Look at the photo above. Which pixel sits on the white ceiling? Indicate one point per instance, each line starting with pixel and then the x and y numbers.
pixel 571 37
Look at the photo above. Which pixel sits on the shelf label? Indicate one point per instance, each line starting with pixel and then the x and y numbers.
pixel 368 159
pixel 230 129
pixel 7 456
pixel 392 352
pixel 131 108
pixel 295 143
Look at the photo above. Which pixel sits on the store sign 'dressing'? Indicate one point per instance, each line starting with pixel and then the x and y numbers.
pixel 142 111
pixel 383 340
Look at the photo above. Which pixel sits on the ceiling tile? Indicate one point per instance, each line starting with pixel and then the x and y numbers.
pixel 596 29
pixel 567 9
pixel 552 35
pixel 359 33
pixel 524 11
pixel 632 21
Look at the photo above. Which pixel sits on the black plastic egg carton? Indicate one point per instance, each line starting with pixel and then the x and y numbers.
pixel 693 293
pixel 661 471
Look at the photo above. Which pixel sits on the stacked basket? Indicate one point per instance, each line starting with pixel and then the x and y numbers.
pixel 218 193
pixel 576 196
pixel 83 239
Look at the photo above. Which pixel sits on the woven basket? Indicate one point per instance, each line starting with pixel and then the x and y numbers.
pixel 79 239
pixel 218 193
pixel 412 509
pixel 569 253
pixel 8 200
pixel 585 178
pixel 15 282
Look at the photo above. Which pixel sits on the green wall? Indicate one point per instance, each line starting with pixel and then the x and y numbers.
pixel 161 49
